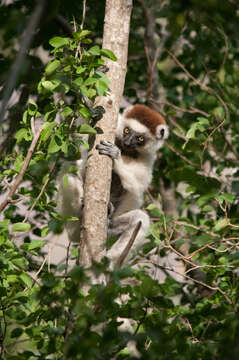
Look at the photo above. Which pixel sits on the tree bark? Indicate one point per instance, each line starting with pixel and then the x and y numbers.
pixel 99 168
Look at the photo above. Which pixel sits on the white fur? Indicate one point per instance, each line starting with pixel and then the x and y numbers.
pixel 132 123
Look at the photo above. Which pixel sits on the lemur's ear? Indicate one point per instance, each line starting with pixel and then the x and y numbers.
pixel 162 132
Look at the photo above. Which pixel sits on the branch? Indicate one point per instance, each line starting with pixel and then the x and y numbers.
pixel 14 186
pixel 99 168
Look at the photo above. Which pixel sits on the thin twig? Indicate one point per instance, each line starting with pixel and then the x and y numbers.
pixel 129 244
pixel 192 109
pixel 78 50
pixel 41 192
pixel 199 228
pixel 182 156
pixel 33 126
pixel 67 256
pixel 214 288
pixel 83 14
pixel 41 267
pixel 209 266
pixel 18 179
pixel 30 275
pixel 35 277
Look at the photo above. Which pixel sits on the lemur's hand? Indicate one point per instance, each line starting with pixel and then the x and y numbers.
pixel 109 149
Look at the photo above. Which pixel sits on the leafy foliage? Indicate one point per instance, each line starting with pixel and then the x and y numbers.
pixel 44 309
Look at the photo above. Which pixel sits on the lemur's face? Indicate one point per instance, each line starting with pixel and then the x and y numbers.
pixel 134 138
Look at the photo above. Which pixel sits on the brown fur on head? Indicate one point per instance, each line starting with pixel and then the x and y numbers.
pixel 146 116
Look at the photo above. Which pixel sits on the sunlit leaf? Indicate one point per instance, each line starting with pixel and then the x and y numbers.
pixel 21 227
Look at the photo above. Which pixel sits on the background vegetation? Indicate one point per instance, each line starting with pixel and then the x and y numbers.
pixel 183 61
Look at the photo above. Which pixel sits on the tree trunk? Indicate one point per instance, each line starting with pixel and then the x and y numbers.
pixel 99 168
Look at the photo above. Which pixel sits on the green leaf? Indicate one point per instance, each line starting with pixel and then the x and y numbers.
pixel 199 125
pixel 23 134
pixel 221 224
pixel 64 147
pixel 102 77
pixel 20 262
pixel 108 54
pixel 207 208
pixel 91 93
pixel 94 50
pixel 90 81
pixel 87 129
pixel 227 197
pixel 50 85
pixel 78 35
pixel 66 87
pixel 85 144
pixel 4 225
pixel 36 244
pixel 26 279
pixel 47 130
pixel 53 146
pixel 71 218
pixel 153 209
pixel 205 198
pixel 18 163
pixel 80 69
pixel 3 291
pixel 219 112
pixel 21 227
pixel 85 112
pixel 52 66
pixel 67 68
pixel 50 115
pixel 25 117
pixel 45 231
pixel 84 90
pixel 16 332
pixel 67 111
pixel 32 107
pixel 101 87
pixel 58 41
pixel 55 226
pixel 78 81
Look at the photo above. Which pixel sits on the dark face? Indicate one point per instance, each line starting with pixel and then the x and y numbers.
pixel 131 142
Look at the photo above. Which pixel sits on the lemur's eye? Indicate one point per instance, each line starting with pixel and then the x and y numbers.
pixel 126 130
pixel 140 138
